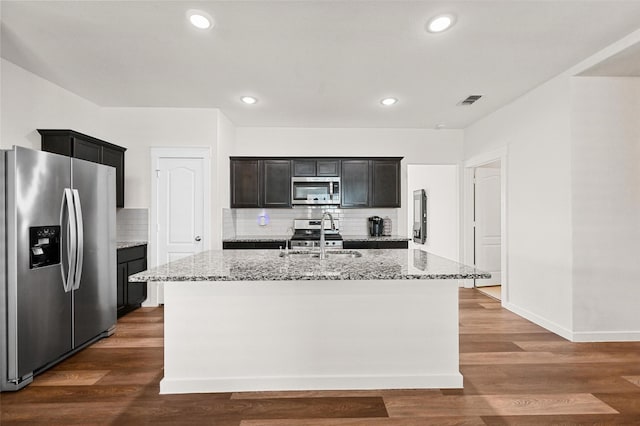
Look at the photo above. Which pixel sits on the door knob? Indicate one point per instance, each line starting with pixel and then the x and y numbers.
pixel 198 238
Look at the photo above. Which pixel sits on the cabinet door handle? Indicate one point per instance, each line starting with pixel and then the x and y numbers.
pixel 198 238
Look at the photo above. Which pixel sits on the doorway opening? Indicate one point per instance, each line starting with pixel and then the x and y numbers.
pixel 485 222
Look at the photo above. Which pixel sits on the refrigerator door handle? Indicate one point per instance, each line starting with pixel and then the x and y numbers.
pixel 67 202
pixel 79 239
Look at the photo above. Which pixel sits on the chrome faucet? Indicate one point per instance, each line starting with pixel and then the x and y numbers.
pixel 333 227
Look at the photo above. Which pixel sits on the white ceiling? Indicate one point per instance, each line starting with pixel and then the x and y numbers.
pixel 312 63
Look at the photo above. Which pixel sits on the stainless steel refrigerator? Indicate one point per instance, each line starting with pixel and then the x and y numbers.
pixel 58 261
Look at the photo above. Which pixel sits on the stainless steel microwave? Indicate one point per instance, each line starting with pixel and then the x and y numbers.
pixel 315 190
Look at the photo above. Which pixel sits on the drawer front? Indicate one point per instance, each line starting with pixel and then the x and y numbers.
pixel 136 266
pixel 132 253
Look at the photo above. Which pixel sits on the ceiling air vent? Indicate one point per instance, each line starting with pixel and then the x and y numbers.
pixel 470 100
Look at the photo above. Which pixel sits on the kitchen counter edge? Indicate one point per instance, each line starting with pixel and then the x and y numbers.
pixel 129 244
pixel 267 265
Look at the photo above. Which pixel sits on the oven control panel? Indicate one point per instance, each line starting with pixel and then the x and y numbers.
pixel 310 244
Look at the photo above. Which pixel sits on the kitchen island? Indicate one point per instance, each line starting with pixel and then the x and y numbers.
pixel 246 320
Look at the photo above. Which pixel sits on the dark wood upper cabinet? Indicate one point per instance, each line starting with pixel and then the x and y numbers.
pixel 266 181
pixel 78 145
pixel 328 168
pixel 355 183
pixel 87 150
pixel 314 167
pixel 259 182
pixel 385 183
pixel 276 183
pixel 245 183
pixel 304 167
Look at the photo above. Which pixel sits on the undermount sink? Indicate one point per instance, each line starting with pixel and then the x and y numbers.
pixel 328 253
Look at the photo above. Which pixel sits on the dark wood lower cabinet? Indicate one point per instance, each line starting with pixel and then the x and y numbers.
pixel 255 245
pixel 354 245
pixel 131 260
pixel 347 245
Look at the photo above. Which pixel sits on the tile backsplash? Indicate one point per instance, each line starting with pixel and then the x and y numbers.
pixel 132 224
pixel 247 222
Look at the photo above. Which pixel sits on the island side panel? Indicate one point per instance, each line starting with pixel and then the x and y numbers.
pixel 310 335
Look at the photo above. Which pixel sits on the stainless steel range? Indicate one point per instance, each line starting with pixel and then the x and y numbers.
pixel 307 234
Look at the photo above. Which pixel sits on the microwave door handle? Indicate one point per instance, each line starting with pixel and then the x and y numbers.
pixel 79 239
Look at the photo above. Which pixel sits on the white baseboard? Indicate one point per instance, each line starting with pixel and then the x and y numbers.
pixel 237 384
pixel 542 322
pixel 575 336
pixel 606 336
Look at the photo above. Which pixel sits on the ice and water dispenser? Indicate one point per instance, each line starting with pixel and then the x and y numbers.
pixel 44 245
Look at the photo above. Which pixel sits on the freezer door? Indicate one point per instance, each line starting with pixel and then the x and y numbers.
pixel 95 292
pixel 39 310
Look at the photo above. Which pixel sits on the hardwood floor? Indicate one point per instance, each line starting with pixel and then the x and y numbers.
pixel 515 373
pixel 494 291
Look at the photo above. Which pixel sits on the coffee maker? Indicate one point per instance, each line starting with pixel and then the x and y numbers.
pixel 375 226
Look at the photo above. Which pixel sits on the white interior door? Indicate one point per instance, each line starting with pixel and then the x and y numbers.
pixel 487 224
pixel 179 208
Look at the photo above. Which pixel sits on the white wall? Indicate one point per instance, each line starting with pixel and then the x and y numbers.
pixel 29 102
pixel 442 186
pixel 605 174
pixel 535 129
pixel 139 129
pixel 221 191
pixel 415 145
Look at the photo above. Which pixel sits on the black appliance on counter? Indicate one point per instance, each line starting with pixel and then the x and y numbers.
pixel 376 226
pixel 420 216
pixel 307 234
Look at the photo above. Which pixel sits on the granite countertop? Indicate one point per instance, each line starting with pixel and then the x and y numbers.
pixel 268 265
pixel 129 244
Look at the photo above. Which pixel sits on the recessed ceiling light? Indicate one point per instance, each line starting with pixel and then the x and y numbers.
pixel 199 19
pixel 388 101
pixel 249 100
pixel 440 23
